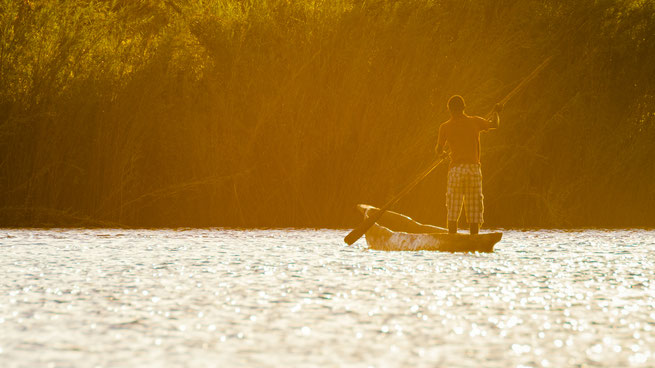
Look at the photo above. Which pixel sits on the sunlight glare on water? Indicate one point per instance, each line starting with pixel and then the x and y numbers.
pixel 219 297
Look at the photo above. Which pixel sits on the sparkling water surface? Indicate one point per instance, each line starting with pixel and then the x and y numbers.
pixel 269 298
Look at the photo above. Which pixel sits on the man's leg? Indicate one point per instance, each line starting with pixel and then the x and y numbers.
pixel 454 199
pixel 452 227
pixel 474 200
pixel 474 228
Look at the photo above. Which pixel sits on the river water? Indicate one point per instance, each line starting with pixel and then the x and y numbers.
pixel 270 298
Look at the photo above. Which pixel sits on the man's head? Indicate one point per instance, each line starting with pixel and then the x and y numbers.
pixel 456 104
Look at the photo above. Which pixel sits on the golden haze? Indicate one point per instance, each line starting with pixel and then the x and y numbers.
pixel 288 113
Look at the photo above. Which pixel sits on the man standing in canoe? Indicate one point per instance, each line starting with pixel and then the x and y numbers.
pixel 462 134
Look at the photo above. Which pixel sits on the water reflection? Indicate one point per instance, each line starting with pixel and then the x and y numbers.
pixel 301 297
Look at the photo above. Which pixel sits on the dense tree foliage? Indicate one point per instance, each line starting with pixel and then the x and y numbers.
pixel 288 113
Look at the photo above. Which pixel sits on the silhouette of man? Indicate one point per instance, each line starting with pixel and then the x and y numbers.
pixel 462 134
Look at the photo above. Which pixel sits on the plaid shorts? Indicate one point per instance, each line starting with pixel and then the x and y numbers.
pixel 465 185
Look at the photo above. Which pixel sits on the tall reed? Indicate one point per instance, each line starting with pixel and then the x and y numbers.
pixel 287 113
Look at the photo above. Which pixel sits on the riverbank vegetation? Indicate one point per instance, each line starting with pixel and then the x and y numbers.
pixel 288 113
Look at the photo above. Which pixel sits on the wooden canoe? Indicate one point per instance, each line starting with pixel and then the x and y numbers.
pixel 395 232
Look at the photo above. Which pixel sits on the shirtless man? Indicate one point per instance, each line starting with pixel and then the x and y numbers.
pixel 462 134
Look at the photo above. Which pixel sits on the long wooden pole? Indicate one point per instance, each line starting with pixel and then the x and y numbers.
pixel 526 80
pixel 369 221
